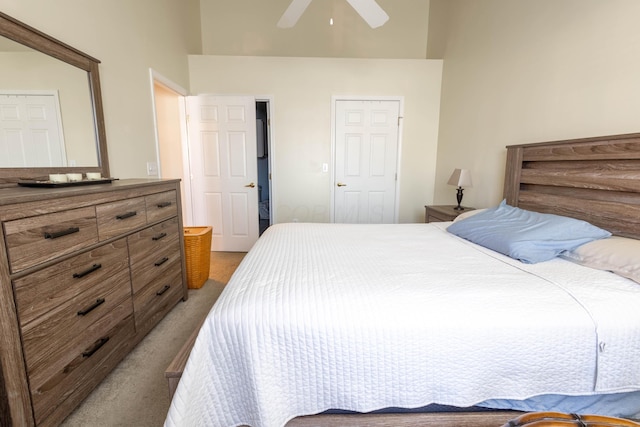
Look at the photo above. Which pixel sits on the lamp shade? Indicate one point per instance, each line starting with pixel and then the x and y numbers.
pixel 460 178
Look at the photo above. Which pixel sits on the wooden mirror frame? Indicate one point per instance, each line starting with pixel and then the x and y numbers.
pixel 21 33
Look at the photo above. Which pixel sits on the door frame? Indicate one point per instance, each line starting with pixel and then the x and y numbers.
pixel 269 100
pixel 155 77
pixel 334 100
pixel 182 93
pixel 271 154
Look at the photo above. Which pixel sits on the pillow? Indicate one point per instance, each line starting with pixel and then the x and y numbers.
pixel 468 214
pixel 619 255
pixel 527 236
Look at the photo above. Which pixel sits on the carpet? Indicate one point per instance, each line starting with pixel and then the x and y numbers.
pixel 136 393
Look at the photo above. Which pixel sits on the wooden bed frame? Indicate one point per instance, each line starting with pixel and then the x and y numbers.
pixel 594 179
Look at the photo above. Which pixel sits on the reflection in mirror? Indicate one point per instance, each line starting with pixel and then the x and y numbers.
pixel 46 115
pixel 45 80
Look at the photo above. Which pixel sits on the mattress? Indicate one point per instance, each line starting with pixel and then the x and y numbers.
pixel 363 317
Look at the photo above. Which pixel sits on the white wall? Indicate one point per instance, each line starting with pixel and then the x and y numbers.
pixel 129 37
pixel 519 71
pixel 301 120
pixel 248 28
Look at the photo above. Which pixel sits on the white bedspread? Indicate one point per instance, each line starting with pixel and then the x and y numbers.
pixel 362 317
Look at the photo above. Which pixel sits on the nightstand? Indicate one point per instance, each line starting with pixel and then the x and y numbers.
pixel 443 213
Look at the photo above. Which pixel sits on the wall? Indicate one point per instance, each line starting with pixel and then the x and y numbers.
pixel 129 37
pixel 519 71
pixel 248 27
pixel 301 120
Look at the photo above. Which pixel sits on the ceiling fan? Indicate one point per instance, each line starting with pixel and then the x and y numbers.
pixel 369 10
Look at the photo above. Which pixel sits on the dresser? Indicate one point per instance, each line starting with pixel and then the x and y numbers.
pixel 86 272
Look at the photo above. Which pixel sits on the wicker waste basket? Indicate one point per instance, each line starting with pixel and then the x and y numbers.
pixel 197 252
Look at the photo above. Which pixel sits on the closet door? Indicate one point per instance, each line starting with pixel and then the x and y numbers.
pixel 366 153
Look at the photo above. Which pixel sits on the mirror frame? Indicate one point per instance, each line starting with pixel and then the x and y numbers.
pixel 24 34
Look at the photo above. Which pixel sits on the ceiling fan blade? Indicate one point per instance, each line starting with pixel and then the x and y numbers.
pixel 370 11
pixel 293 13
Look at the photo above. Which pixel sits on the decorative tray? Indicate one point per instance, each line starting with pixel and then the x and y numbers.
pixel 52 184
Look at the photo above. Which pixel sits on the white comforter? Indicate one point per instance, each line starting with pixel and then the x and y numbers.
pixel 363 317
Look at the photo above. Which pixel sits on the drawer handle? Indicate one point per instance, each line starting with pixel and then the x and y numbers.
pixel 57 234
pixel 91 269
pixel 126 215
pixel 162 261
pixel 92 307
pixel 163 290
pixel 159 236
pixel 163 205
pixel 95 347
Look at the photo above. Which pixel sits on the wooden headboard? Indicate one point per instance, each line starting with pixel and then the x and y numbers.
pixel 593 179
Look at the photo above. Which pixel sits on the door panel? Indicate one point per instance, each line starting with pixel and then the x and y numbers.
pixel 211 151
pixel 30 131
pixel 366 152
pixel 222 145
pixel 239 223
pixel 238 155
pixel 213 210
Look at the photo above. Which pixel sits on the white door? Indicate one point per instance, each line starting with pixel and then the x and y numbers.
pixel 366 153
pixel 223 162
pixel 31 131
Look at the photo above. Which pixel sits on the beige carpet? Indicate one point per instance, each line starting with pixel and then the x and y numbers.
pixel 136 392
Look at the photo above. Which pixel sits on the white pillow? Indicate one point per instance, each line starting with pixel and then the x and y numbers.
pixel 619 255
pixel 467 214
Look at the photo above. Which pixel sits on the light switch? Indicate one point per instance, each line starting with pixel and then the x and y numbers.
pixel 325 167
pixel 152 168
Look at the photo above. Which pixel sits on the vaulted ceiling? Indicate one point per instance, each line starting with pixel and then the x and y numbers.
pixel 248 27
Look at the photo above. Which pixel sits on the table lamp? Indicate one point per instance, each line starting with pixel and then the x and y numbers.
pixel 460 178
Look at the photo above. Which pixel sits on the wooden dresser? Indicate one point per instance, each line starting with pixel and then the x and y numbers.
pixel 86 272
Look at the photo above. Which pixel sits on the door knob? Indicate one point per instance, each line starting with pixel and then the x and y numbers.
pixel 250 185
pixel 340 184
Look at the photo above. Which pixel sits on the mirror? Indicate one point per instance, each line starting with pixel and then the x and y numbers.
pixel 53 81
pixel 46 113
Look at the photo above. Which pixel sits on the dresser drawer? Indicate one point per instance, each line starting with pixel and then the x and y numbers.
pixel 144 243
pixel 157 265
pixel 67 385
pixel 120 217
pixel 46 289
pixel 161 206
pixel 31 241
pixel 54 339
pixel 154 251
pixel 153 301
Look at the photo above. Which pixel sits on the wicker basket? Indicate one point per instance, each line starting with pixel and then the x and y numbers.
pixel 197 251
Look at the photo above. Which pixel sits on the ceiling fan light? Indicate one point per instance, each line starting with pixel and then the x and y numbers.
pixel 369 10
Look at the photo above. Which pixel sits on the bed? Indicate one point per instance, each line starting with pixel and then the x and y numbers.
pixel 327 318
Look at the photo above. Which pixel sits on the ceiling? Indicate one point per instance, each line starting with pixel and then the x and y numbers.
pixel 248 27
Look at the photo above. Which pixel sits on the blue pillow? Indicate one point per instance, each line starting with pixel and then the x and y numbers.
pixel 527 236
